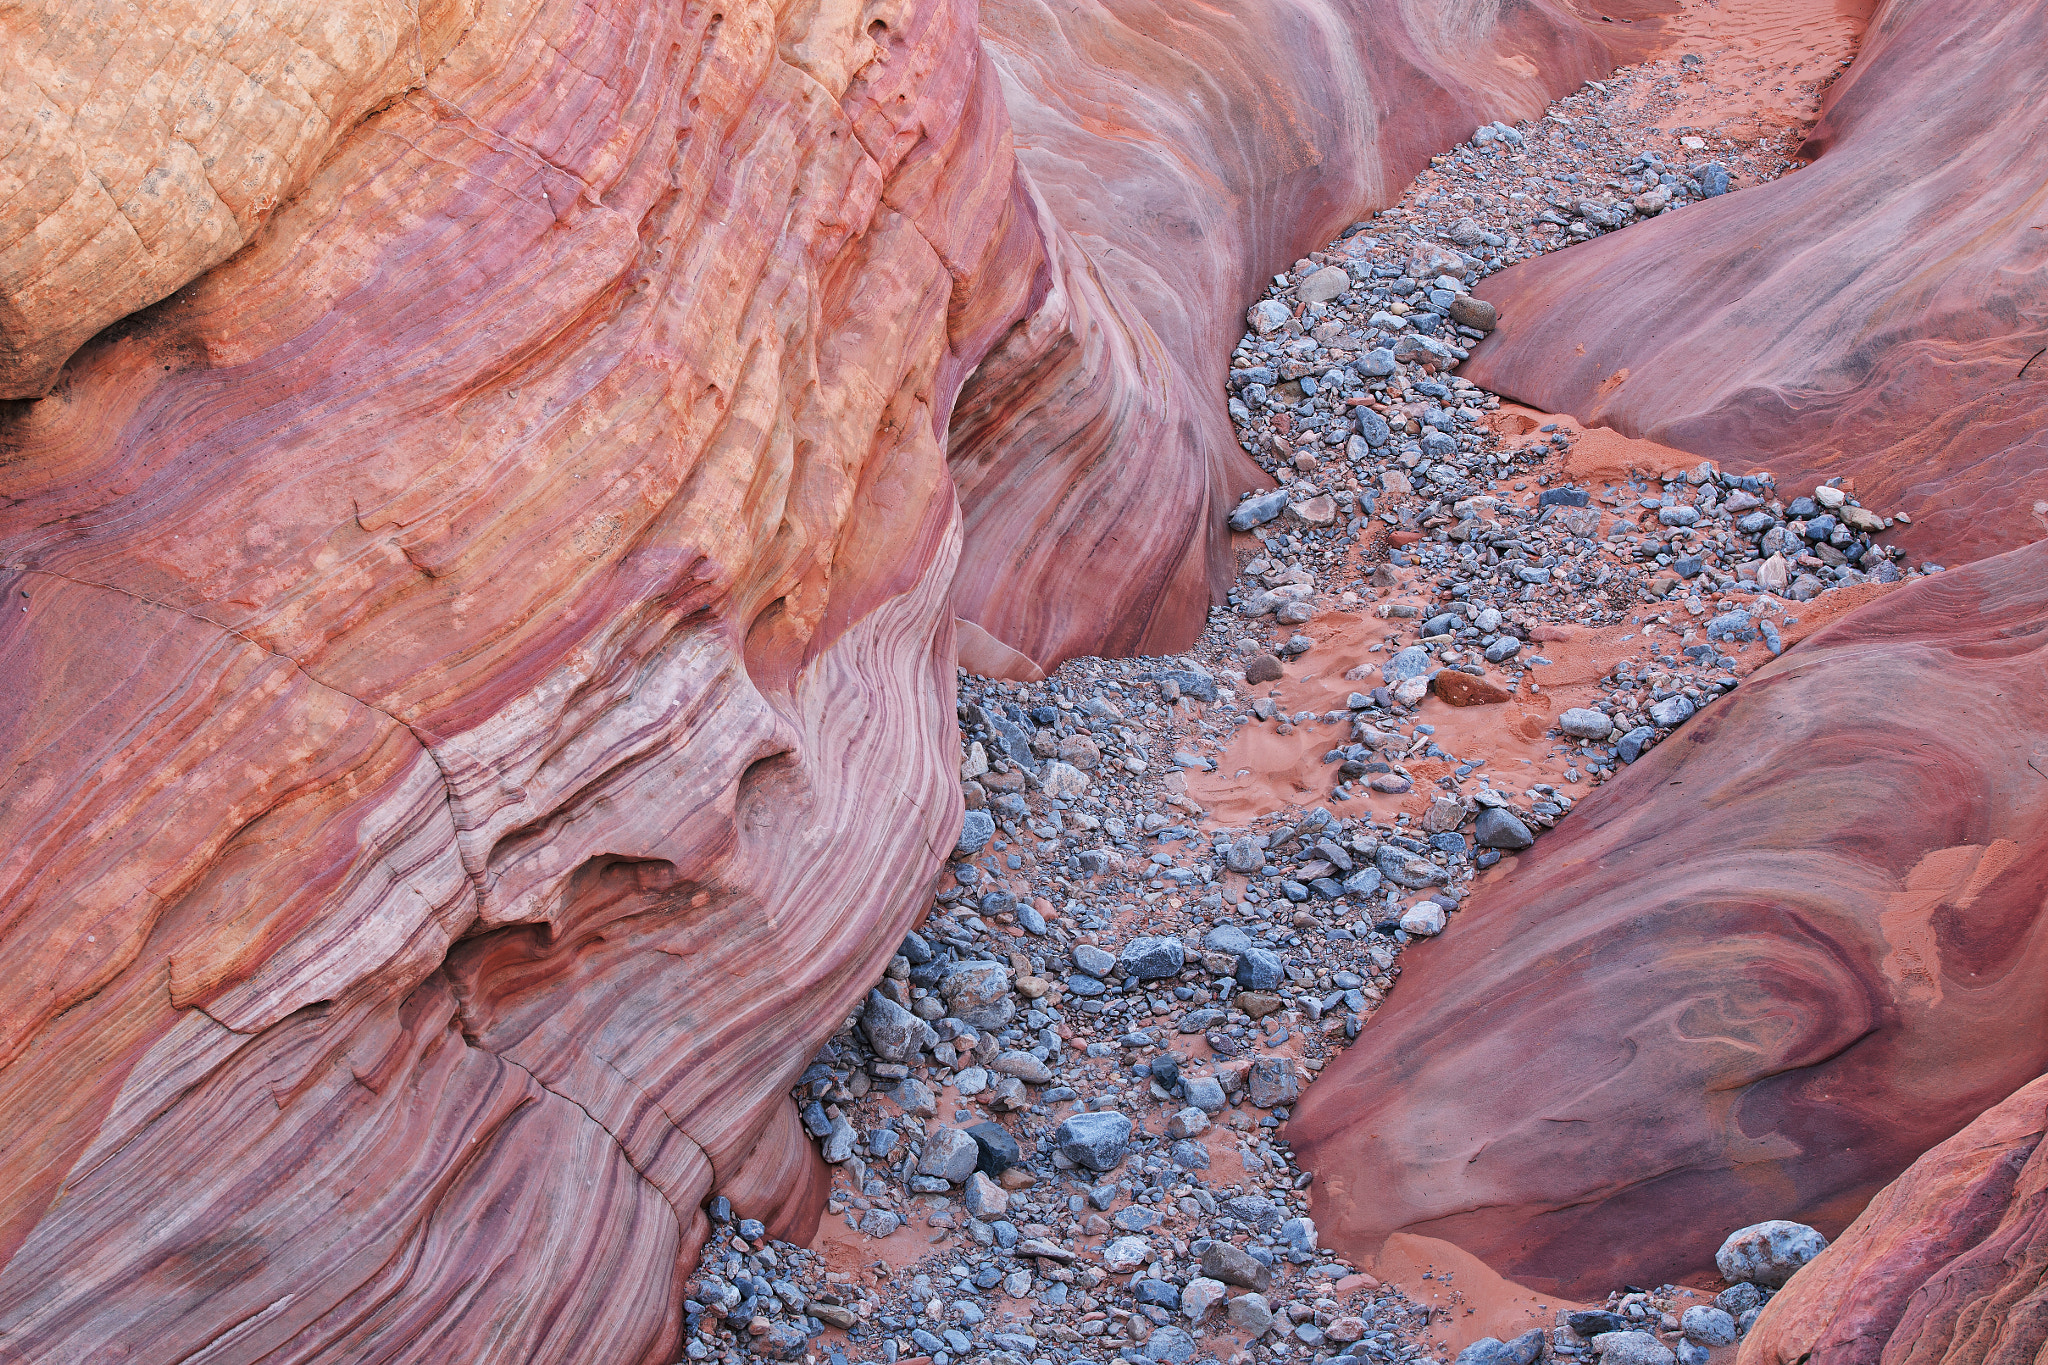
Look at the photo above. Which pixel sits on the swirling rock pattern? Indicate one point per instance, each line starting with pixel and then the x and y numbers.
pixel 479 656
pixel 1948 1264
pixel 1881 314
pixel 1183 154
pixel 1755 977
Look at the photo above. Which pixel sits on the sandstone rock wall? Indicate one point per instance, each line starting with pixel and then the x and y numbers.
pixel 1755 976
pixel 1178 155
pixel 1881 314
pixel 479 643
pixel 1946 1265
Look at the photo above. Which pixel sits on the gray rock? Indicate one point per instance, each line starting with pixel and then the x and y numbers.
pixel 1582 722
pixel 1378 363
pixel 1768 1253
pixel 1271 1083
pixel 1373 427
pixel 1253 511
pixel 1411 662
pixel 1498 827
pixel 838 1145
pixel 1255 1213
pixel 949 1155
pixel 1227 938
pixel 1222 1261
pixel 1189 1155
pixel 1635 741
pixel 1204 1093
pixel 983 1197
pixel 1729 625
pixel 1258 969
pixel 1267 316
pixel 1093 960
pixel 1692 1353
pixel 1170 1345
pixel 1023 1065
pixel 1363 882
pixel 1634 1348
pixel 1407 869
pixel 975 831
pixel 1485 1351
pixel 1149 959
pixel 1426 920
pixel 1323 285
pixel 979 993
pixel 1245 856
pixel 1189 1122
pixel 1094 1141
pixel 1200 1296
pixel 1672 710
pixel 1708 1326
pixel 1248 1313
pixel 1738 1299
pixel 879 1223
pixel 914 1095
pixel 1503 649
pixel 891 1030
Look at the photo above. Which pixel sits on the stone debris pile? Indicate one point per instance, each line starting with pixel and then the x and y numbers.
pixel 1056 1124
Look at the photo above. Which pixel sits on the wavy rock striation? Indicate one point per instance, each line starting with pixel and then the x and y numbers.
pixel 1176 155
pixel 1756 976
pixel 1881 314
pixel 1948 1264
pixel 479 654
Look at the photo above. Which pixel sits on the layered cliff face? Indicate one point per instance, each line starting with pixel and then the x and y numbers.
pixel 479 654
pixel 1948 1264
pixel 1754 977
pixel 479 695
pixel 1877 315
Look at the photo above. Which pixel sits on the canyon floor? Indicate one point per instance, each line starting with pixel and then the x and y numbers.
pixel 1060 1125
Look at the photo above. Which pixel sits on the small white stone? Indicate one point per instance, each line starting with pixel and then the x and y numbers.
pixel 1426 920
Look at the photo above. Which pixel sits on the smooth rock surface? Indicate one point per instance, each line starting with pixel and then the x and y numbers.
pixel 1904 287
pixel 1816 909
pixel 1946 1263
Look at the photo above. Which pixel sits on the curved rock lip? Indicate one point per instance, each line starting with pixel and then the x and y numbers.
pixel 1879 315
pixel 1754 977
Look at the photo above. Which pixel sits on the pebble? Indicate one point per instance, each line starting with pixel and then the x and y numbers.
pixel 1707 1326
pixel 1096 1142
pixel 1766 1254
pixel 1634 1348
